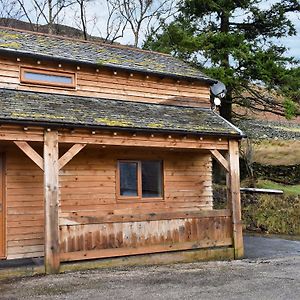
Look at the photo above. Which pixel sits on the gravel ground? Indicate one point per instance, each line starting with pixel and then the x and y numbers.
pixel 271 271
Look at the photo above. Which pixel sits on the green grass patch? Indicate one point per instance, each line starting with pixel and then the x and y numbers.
pixel 291 190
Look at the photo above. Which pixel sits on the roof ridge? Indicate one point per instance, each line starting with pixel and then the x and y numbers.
pixel 84 41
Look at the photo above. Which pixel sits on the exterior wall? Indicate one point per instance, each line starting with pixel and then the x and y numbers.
pixel 105 84
pixel 25 206
pixel 88 182
pixel 88 192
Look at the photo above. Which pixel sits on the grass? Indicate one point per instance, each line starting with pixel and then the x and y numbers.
pixel 264 213
pixel 272 214
pixel 272 152
pixel 291 190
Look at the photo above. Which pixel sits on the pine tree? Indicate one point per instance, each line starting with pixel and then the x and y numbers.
pixel 237 42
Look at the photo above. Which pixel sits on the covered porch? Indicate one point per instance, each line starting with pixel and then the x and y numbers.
pixel 75 184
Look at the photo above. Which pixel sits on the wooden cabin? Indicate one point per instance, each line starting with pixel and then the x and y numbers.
pixel 106 151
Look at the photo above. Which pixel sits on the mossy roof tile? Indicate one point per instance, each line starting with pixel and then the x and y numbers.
pixel 100 54
pixel 64 110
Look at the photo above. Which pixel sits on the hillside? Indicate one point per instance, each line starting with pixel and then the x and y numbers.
pixel 59 29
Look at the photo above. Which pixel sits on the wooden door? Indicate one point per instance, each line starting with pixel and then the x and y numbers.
pixel 2 210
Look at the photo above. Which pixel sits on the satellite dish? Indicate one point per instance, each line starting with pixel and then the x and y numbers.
pixel 218 89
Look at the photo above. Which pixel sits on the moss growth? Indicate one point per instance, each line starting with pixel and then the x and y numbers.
pixel 43 41
pixel 9 36
pixel 155 125
pixel 13 45
pixel 109 122
pixel 37 115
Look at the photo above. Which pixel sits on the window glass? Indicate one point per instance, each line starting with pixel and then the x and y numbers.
pixel 151 179
pixel 48 78
pixel 128 178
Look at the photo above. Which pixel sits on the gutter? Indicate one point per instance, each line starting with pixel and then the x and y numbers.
pixel 56 125
pixel 242 134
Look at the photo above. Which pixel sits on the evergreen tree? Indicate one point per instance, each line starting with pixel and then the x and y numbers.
pixel 235 41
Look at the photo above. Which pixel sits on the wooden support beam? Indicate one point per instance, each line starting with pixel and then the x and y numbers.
pixel 234 198
pixel 142 140
pixel 69 155
pixel 51 194
pixel 31 153
pixel 220 159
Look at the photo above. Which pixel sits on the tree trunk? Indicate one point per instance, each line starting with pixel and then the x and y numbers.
pixel 83 19
pixel 226 106
pixel 50 20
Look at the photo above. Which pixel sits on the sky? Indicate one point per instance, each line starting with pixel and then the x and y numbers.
pixel 292 43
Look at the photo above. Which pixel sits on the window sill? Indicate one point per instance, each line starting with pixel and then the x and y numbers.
pixel 139 200
pixel 69 88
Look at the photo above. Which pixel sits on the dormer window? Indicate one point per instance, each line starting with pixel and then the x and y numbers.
pixel 47 77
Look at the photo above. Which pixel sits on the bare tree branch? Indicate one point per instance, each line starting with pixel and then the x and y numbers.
pixel 136 15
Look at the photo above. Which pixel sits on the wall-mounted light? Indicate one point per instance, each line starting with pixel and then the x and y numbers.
pixel 217 101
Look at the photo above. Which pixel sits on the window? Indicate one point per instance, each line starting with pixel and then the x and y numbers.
pixel 47 77
pixel 140 180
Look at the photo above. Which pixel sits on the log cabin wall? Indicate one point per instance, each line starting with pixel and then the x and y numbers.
pixel 88 202
pixel 105 84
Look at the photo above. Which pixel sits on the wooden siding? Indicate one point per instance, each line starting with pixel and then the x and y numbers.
pixel 2 208
pixel 87 186
pixel 25 206
pixel 105 84
pixel 87 183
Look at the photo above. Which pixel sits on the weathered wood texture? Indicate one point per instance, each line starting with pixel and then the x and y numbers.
pixel 108 138
pixel 94 224
pixel 2 209
pixel 25 206
pixel 51 199
pixel 234 198
pixel 105 84
pixel 87 183
pixel 117 239
pixel 161 141
pixel 88 193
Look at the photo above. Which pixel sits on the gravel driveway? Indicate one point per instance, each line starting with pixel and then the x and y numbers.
pixel 270 271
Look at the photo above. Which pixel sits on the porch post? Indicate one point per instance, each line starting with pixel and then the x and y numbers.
pixel 234 197
pixel 51 195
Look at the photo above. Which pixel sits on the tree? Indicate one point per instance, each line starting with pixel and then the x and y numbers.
pixel 48 10
pixel 82 24
pixel 9 10
pixel 235 41
pixel 136 15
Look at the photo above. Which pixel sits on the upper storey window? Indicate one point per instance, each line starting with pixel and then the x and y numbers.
pixel 47 77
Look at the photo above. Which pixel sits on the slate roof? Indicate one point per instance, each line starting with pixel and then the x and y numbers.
pixel 22 107
pixel 100 54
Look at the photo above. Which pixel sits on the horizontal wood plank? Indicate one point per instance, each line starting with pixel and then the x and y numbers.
pixel 81 255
